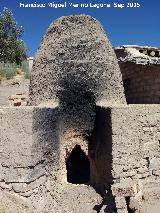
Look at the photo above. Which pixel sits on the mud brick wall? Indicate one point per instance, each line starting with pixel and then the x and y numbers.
pixel 125 149
pixel 136 142
pixel 141 83
pixel 28 156
pixel 30 167
pixel 30 142
pixel 28 135
pixel 135 157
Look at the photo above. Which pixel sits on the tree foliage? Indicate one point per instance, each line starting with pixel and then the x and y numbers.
pixel 12 48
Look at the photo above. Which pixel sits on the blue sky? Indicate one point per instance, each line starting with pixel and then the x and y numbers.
pixel 123 26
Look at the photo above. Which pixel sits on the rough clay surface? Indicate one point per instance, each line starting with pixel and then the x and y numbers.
pixel 30 167
pixel 136 151
pixel 75 63
pixel 30 178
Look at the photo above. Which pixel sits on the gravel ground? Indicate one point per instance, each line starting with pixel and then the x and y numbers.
pixel 9 88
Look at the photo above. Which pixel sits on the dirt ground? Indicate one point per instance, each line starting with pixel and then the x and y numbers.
pixel 14 92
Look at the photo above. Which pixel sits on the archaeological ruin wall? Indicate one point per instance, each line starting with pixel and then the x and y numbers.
pixel 123 156
pixel 140 67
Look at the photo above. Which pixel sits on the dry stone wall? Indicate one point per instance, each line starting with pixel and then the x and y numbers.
pixel 136 137
pixel 136 161
pixel 141 74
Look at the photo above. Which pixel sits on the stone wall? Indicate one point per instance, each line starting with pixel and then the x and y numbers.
pixel 123 151
pixel 28 155
pixel 136 155
pixel 140 73
pixel 136 140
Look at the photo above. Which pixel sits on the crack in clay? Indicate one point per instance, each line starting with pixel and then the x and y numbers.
pixel 31 192
pixel 148 162
pixel 24 167
pixel 27 182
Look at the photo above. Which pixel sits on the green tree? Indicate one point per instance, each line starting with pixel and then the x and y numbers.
pixel 12 48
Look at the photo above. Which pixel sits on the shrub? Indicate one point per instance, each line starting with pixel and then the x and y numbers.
pixel 7 70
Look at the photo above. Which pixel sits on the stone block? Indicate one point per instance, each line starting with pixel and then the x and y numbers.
pixel 120 203
pixel 124 189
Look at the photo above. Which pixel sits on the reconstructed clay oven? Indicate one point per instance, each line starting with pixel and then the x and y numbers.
pixel 77 146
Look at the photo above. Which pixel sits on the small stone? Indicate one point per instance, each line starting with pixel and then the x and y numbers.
pixel 120 202
pixel 17 103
